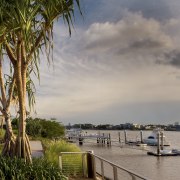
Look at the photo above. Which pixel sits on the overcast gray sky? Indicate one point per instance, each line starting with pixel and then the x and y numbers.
pixel 122 64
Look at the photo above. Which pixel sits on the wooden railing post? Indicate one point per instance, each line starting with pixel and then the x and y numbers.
pixel 91 167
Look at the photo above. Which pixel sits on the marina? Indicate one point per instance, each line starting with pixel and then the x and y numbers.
pixel 135 158
pixel 121 138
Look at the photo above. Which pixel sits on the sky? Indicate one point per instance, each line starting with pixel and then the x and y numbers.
pixel 121 64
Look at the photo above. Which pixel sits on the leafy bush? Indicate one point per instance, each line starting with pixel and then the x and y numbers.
pixel 51 129
pixel 17 169
pixel 44 128
pixel 15 123
pixel 34 128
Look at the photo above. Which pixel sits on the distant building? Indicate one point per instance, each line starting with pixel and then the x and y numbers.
pixel 176 123
pixel 137 126
pixel 148 127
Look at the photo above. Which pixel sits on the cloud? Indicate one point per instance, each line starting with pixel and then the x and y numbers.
pixel 109 64
pixel 171 58
pixel 133 32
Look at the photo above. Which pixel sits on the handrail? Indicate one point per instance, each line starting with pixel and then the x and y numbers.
pixel 81 152
pixel 102 161
pixel 117 166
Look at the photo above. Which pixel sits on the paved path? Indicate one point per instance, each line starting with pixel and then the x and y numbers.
pixel 36 148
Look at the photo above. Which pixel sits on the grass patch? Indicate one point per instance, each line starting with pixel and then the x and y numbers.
pixel 72 164
pixel 53 149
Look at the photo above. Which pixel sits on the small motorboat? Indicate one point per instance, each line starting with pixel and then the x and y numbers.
pixel 152 139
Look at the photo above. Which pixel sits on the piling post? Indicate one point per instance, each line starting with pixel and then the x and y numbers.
pixel 109 139
pixel 103 139
pixel 91 167
pixel 162 140
pixel 108 142
pixel 119 134
pixel 125 137
pixel 141 135
pixel 158 143
pixel 80 140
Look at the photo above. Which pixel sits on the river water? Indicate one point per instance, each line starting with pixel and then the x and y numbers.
pixel 136 160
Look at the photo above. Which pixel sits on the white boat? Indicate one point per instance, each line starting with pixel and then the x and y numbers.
pixel 152 139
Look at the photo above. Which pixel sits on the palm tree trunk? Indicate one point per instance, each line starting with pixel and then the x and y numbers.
pixel 9 138
pixel 22 141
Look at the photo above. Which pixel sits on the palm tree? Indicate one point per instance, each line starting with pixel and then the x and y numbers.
pixel 5 110
pixel 26 28
pixel 9 87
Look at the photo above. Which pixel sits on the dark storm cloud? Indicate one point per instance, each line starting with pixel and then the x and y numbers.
pixel 127 38
pixel 171 58
pixel 146 43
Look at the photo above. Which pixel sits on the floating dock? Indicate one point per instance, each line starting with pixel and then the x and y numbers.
pixel 163 154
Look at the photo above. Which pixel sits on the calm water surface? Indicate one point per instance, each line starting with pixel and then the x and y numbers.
pixel 155 168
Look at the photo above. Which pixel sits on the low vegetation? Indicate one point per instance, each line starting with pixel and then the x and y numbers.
pixel 72 164
pixel 53 149
pixel 51 134
pixel 17 169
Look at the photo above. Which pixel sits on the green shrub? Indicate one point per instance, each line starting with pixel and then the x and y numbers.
pixel 44 128
pixel 17 169
pixel 34 128
pixel 15 123
pixel 51 129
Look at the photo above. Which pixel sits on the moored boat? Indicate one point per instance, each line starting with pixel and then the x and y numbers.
pixel 152 139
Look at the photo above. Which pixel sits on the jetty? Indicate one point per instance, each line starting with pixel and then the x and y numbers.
pixel 100 138
pixel 73 136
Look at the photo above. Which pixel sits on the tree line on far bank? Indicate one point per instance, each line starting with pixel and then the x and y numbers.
pixel 126 126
